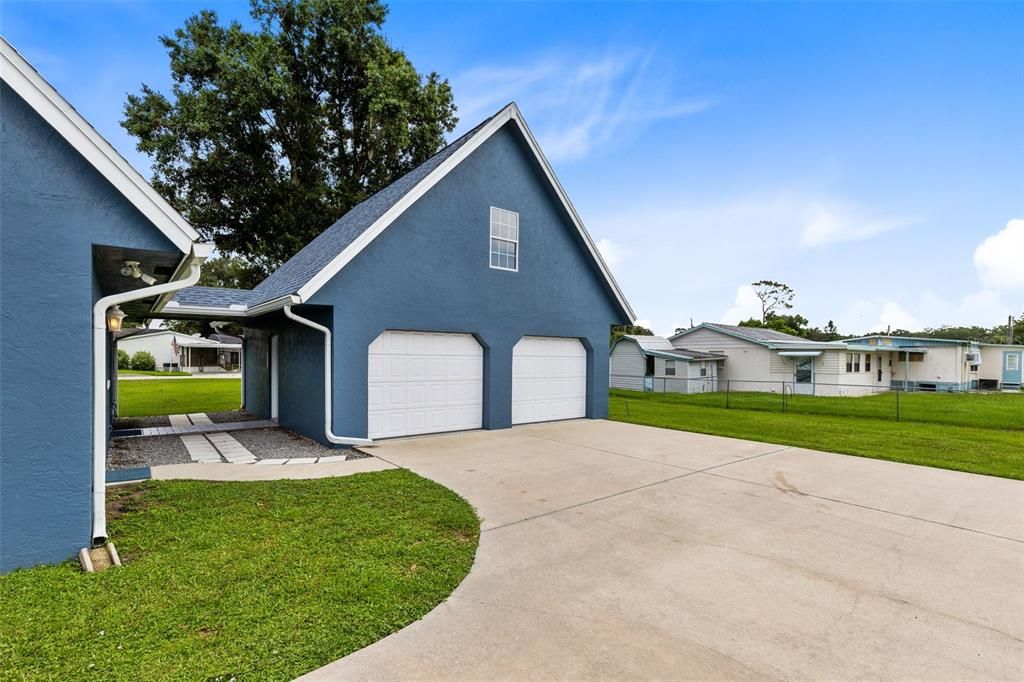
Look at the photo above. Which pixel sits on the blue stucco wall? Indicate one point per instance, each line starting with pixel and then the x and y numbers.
pixel 430 271
pixel 53 207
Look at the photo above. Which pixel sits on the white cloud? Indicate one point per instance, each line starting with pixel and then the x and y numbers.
pixel 745 306
pixel 829 224
pixel 893 316
pixel 576 104
pixel 611 252
pixel 1000 258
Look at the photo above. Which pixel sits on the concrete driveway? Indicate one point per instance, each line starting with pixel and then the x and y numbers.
pixel 618 551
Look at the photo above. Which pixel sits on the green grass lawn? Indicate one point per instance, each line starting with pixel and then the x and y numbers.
pixel 985 410
pixel 263 580
pixel 151 373
pixel 145 397
pixel 996 451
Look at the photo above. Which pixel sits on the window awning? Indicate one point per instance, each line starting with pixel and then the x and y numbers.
pixel 800 353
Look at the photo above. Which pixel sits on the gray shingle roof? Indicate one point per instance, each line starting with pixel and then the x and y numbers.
pixel 213 296
pixel 315 256
pixel 756 333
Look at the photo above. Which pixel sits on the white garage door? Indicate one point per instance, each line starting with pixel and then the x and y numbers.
pixel 549 379
pixel 424 382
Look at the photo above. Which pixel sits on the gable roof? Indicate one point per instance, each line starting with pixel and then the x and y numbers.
pixel 62 117
pixel 320 260
pixel 765 337
pixel 659 346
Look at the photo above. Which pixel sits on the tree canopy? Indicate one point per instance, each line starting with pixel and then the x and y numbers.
pixel 633 329
pixel 270 135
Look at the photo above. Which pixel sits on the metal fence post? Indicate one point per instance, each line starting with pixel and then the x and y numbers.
pixel 897 404
pixel 728 385
pixel 783 396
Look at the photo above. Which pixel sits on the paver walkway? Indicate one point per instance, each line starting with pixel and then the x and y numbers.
pixel 200 449
pixel 230 449
pixel 181 424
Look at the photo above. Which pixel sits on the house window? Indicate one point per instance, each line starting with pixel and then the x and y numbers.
pixel 703 369
pixel 849 362
pixel 1012 362
pixel 974 368
pixel 670 368
pixel 504 239
pixel 867 362
pixel 856 362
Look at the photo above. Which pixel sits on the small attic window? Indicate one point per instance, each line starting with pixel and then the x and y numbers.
pixel 504 239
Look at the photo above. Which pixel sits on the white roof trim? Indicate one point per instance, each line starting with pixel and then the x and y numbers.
pixel 56 111
pixel 509 113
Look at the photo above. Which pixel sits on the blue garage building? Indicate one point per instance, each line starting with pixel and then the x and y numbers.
pixel 467 294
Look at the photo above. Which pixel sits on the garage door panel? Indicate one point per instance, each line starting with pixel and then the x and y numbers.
pixel 429 382
pixel 549 379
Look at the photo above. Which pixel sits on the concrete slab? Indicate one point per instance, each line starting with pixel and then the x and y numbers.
pixel 272 461
pixel 223 472
pixel 199 418
pixel 511 475
pixel 939 495
pixel 841 567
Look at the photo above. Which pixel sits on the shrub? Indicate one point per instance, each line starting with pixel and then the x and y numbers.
pixel 124 361
pixel 143 361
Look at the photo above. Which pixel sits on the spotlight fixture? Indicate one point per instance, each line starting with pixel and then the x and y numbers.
pixel 132 268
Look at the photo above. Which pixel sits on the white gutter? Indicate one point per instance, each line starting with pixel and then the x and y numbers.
pixel 99 383
pixel 328 381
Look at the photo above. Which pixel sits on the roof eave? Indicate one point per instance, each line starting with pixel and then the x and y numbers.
pixel 58 113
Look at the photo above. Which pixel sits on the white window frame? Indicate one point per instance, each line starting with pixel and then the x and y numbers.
pixel 1015 357
pixel 491 236
pixel 670 365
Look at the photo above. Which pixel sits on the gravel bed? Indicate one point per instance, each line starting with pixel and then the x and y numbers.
pixel 284 444
pixel 231 416
pixel 276 443
pixel 141 422
pixel 129 453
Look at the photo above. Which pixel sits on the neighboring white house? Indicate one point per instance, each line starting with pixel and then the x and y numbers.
pixel 651 363
pixel 177 351
pixel 767 360
pixel 761 359
pixel 948 364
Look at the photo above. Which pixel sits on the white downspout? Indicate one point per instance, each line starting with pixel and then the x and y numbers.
pixel 99 389
pixel 328 381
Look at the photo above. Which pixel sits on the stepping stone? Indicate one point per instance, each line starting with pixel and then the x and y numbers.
pixel 302 460
pixel 231 449
pixel 179 420
pixel 200 449
pixel 333 458
pixel 199 418
pixel 271 461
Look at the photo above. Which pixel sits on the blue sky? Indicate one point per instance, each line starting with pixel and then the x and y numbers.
pixel 870 155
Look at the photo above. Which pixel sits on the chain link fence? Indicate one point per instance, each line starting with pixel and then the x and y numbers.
pixel 952 406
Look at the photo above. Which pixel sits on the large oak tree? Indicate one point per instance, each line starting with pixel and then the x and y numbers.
pixel 269 135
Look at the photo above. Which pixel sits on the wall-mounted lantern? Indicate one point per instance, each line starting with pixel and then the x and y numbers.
pixel 114 317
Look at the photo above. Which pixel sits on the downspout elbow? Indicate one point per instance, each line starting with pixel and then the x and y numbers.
pixel 328 381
